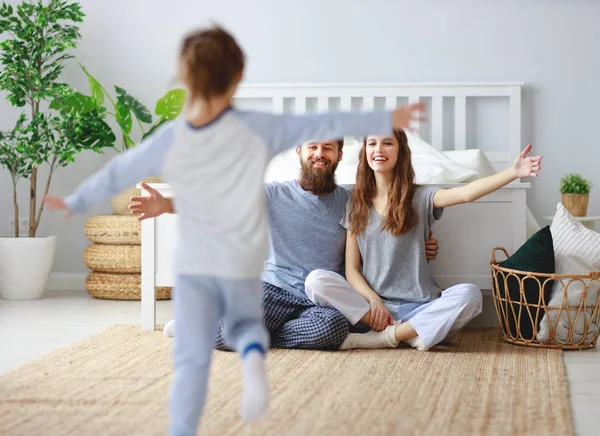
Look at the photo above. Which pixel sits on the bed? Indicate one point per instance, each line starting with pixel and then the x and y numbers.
pixel 460 115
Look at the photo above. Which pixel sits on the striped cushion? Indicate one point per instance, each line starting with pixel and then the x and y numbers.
pixel 577 252
pixel 576 248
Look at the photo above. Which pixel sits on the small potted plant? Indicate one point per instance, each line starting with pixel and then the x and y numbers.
pixel 575 192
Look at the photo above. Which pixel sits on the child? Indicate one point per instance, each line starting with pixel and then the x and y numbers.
pixel 215 160
pixel 386 218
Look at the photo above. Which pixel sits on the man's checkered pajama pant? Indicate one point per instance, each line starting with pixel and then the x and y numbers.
pixel 295 322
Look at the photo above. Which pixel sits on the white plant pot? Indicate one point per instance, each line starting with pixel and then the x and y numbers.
pixel 25 266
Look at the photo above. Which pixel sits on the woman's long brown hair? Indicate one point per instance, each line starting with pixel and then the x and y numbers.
pixel 400 215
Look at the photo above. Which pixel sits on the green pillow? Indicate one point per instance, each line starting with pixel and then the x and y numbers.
pixel 535 255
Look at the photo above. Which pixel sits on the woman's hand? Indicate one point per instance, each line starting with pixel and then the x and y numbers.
pixel 525 166
pixel 380 315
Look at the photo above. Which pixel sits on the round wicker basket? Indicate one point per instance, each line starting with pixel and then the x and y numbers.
pixel 120 203
pixel 114 229
pixel 120 287
pixel 114 258
pixel 511 310
pixel 576 204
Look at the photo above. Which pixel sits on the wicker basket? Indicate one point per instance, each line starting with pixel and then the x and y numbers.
pixel 576 204
pixel 120 203
pixel 125 259
pixel 120 287
pixel 584 313
pixel 114 229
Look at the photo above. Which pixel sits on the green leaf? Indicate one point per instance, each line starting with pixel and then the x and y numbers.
pixel 123 117
pixel 171 104
pixel 6 10
pixel 138 109
pixel 76 102
pixel 95 88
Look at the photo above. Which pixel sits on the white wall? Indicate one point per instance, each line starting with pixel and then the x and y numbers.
pixel 551 45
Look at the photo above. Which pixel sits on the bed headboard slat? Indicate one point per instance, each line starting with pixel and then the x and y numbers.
pixel 437 122
pixel 412 99
pixel 460 123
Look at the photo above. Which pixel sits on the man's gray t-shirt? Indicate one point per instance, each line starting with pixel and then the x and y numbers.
pixel 395 267
pixel 305 234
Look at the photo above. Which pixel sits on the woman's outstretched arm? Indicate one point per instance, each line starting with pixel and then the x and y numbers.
pixel 523 166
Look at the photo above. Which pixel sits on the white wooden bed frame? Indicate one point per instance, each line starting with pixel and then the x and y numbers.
pixel 467 233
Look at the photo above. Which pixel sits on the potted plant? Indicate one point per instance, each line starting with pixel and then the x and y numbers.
pixel 59 124
pixel 575 192
pixel 125 108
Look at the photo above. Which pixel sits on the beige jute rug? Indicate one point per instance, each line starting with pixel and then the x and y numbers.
pixel 117 383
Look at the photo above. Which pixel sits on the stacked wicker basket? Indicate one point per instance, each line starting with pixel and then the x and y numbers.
pixel 115 258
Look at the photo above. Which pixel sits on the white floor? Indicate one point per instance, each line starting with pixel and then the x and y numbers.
pixel 31 329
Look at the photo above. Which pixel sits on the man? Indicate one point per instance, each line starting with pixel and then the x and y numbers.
pixel 305 235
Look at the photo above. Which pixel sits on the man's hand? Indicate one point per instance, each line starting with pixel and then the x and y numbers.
pixel 431 247
pixel 149 207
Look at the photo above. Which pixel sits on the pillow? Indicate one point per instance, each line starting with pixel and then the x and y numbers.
pixel 283 166
pixel 473 159
pixel 535 255
pixel 577 252
pixel 433 166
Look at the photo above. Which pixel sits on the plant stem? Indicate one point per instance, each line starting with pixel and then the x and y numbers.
pixel 15 206
pixel 46 189
pixel 32 202
pixel 140 124
pixel 35 107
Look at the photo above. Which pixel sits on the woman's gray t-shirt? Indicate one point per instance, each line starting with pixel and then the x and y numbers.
pixel 395 267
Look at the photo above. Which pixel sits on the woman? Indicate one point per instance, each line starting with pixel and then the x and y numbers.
pixel 388 284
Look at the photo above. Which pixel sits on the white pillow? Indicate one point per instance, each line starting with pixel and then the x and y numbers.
pixel 576 252
pixel 474 159
pixel 433 166
pixel 283 166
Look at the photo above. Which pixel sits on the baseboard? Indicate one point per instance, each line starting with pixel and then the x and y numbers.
pixel 487 317
pixel 66 282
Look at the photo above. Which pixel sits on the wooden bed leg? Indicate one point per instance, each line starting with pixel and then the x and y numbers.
pixel 148 306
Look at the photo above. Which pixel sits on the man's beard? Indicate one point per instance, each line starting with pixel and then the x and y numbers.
pixel 318 180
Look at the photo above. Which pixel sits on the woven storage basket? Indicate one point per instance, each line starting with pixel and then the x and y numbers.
pixel 510 310
pixel 576 204
pixel 120 287
pixel 114 258
pixel 120 203
pixel 114 229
